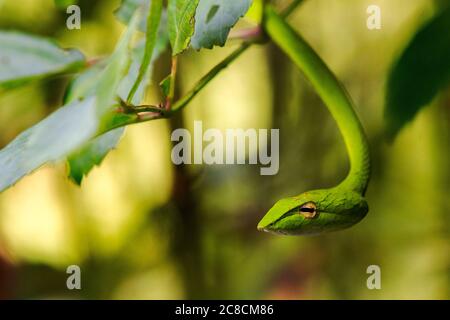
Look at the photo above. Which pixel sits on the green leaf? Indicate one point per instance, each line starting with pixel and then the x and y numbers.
pixel 153 20
pixel 135 69
pixel 214 19
pixel 84 85
pixel 181 21
pixel 81 162
pixel 25 57
pixel 70 127
pixel 421 72
pixel 48 141
pixel 115 71
pixel 129 7
pixel 165 85
pixel 93 152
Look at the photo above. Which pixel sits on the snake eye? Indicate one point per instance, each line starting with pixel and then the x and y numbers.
pixel 308 210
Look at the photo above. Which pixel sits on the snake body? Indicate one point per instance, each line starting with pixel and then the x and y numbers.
pixel 342 206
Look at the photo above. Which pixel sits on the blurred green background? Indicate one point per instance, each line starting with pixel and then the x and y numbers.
pixel 141 228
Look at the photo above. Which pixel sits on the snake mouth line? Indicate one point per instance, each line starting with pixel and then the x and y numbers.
pixel 306 226
pixel 269 228
pixel 266 228
pixel 272 231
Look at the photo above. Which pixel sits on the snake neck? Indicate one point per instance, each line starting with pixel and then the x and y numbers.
pixel 358 150
pixel 331 92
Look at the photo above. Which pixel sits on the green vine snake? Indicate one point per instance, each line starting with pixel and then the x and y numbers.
pixel 342 206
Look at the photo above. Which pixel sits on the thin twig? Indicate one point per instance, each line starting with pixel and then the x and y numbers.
pixel 173 79
pixel 290 8
pixel 153 18
pixel 183 101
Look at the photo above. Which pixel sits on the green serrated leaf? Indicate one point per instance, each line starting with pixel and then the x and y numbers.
pixel 214 19
pixel 81 162
pixel 26 57
pixel 70 127
pixel 422 70
pixel 181 22
pixel 115 71
pixel 84 85
pixel 256 11
pixel 165 85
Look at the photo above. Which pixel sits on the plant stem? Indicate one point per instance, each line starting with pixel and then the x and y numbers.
pixel 153 19
pixel 183 101
pixel 180 104
pixel 173 79
pixel 290 8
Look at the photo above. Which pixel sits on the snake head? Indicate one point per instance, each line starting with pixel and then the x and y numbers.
pixel 315 212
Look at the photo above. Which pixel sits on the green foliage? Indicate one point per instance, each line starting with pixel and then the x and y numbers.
pixel 25 57
pixel 82 161
pixel 128 7
pixel 207 22
pixel 48 141
pixel 214 19
pixel 93 94
pixel 149 232
pixel 256 11
pixel 153 20
pixel 138 54
pixel 181 23
pixel 422 70
pixel 68 128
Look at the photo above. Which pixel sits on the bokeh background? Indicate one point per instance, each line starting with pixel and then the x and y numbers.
pixel 141 228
